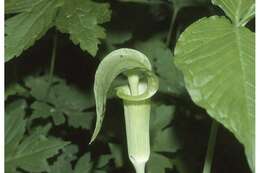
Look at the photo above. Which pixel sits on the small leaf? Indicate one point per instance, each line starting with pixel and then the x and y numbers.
pixel 43 110
pixel 117 153
pixel 84 165
pixel 63 164
pixel 166 141
pixel 163 138
pixel 103 160
pixel 81 19
pixel 158 163
pixel 15 89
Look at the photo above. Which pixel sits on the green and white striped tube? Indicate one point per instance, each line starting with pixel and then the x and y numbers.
pixel 136 99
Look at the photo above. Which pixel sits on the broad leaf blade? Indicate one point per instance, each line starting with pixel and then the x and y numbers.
pixel 111 66
pixel 239 11
pixel 217 60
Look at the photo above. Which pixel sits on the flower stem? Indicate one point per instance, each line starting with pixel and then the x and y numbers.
pixel 211 146
pixel 169 36
pixel 140 167
pixel 53 58
pixel 52 65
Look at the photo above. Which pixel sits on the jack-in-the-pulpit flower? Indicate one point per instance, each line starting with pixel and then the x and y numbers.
pixel 142 85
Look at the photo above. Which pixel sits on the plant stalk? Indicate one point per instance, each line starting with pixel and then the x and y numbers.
pixel 52 65
pixel 53 59
pixel 211 147
pixel 169 36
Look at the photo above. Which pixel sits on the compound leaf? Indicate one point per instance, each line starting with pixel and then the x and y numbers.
pixel 22 30
pixel 81 19
pixel 29 152
pixel 60 100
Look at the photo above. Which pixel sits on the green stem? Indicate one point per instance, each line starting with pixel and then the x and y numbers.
pixel 140 168
pixel 53 58
pixel 211 147
pixel 169 36
pixel 52 65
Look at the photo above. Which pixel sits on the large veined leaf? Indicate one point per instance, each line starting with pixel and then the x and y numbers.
pixel 22 30
pixel 239 11
pixel 81 19
pixel 217 60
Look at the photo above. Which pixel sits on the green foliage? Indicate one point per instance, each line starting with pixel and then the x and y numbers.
pixel 60 101
pixel 36 17
pixel 217 59
pixel 240 11
pixel 80 19
pixel 23 29
pixel 171 79
pixel 50 111
pixel 26 152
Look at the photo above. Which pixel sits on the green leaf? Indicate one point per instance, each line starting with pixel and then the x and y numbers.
pixel 117 153
pixel 170 78
pixel 84 164
pixel 63 163
pixel 166 141
pixel 118 36
pixel 61 99
pixel 239 11
pixel 22 30
pixel 14 126
pixel 111 66
pixel 161 116
pixel 218 62
pixel 158 163
pixel 18 6
pixel 163 139
pixel 103 160
pixel 43 110
pixel 30 152
pixel 81 19
pixel 15 89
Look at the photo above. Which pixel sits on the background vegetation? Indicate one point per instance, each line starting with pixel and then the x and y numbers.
pixel 52 49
